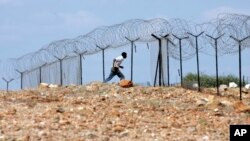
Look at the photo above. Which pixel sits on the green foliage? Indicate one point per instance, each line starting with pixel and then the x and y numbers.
pixel 210 81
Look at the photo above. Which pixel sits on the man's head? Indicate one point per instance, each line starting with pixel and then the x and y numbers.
pixel 124 54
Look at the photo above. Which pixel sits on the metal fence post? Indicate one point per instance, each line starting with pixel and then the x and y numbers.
pixel 180 46
pixel 103 61
pixel 216 59
pixel 7 83
pixel 239 41
pixel 159 60
pixel 21 75
pixel 168 68
pixel 40 72
pixel 197 57
pixel 80 57
pixel 61 69
pixel 132 56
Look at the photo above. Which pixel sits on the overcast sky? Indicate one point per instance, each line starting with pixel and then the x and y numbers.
pixel 27 25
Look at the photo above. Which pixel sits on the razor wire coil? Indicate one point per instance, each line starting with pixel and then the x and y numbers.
pixel 140 30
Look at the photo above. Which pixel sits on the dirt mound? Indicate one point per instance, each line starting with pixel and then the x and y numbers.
pixel 104 112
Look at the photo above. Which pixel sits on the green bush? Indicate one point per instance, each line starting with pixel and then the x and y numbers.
pixel 210 81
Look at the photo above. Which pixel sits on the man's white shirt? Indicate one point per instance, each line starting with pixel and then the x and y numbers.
pixel 118 61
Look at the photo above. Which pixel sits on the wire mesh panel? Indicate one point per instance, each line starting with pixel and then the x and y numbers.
pixel 31 79
pixel 71 71
pixel 51 73
pixel 164 62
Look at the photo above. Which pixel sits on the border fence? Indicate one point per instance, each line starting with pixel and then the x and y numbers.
pixel 176 38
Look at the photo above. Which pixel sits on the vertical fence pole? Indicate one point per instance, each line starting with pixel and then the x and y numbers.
pixel 61 69
pixel 180 49
pixel 160 62
pixel 132 55
pixel 103 61
pixel 197 57
pixel 40 72
pixel 61 72
pixel 21 75
pixel 80 63
pixel 216 59
pixel 239 42
pixel 168 68
pixel 240 69
pixel 80 55
pixel 244 80
pixel 168 61
pixel 7 86
pixel 159 58
pixel 103 65
pixel 7 83
pixel 132 60
pixel 166 37
pixel 156 70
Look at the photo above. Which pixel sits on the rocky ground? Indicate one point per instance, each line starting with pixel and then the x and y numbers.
pixel 107 112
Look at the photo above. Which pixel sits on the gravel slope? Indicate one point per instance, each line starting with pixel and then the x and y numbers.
pixel 107 112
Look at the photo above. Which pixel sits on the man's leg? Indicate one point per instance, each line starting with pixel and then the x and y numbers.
pixel 120 75
pixel 111 75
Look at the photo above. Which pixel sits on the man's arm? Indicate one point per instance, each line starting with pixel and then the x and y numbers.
pixel 114 62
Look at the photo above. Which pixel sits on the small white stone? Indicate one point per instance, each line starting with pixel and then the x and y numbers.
pixel 223 87
pixel 195 85
pixel 247 86
pixel 232 85
pixel 53 86
pixel 80 108
pixel 205 138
